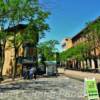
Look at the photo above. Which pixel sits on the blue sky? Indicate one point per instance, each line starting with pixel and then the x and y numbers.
pixel 68 17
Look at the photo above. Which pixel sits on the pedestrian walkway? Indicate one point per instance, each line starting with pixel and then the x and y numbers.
pixel 79 74
pixel 53 88
pixel 9 80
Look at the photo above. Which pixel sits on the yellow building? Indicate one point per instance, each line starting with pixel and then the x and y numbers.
pixel 25 50
pixel 67 43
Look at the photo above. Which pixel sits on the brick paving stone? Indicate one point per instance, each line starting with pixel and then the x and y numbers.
pixel 60 88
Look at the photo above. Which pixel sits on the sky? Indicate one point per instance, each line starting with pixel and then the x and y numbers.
pixel 69 17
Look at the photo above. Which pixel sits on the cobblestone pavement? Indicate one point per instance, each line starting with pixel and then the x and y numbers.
pixel 60 88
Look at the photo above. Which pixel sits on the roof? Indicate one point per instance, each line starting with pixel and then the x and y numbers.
pixel 79 34
pixel 16 28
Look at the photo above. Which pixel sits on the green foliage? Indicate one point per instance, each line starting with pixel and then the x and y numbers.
pixel 76 52
pixel 2 35
pixel 48 49
pixel 93 36
pixel 14 12
pixel 28 11
pixel 83 50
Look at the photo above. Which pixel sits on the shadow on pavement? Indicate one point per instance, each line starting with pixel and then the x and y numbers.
pixel 23 86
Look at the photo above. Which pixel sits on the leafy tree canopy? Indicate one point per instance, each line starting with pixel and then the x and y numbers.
pixel 48 49
pixel 76 52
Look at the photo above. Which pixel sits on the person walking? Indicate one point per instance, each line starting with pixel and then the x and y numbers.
pixel 33 72
pixel 25 72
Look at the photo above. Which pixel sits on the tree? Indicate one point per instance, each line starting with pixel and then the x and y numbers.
pixel 78 52
pixel 23 11
pixel 48 49
pixel 2 49
pixel 93 35
pixel 94 39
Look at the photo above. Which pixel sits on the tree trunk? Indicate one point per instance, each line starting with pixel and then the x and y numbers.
pixel 2 60
pixel 14 65
pixel 96 64
pixel 86 63
pixel 14 58
pixel 90 62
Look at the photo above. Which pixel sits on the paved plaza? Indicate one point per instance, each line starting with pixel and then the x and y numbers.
pixel 52 88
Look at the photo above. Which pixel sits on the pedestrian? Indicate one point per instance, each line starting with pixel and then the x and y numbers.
pixel 33 71
pixel 25 72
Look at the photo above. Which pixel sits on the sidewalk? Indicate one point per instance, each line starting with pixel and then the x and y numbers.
pixel 79 74
pixel 69 73
pixel 8 81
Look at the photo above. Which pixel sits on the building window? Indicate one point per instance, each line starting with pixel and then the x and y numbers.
pixel 64 45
